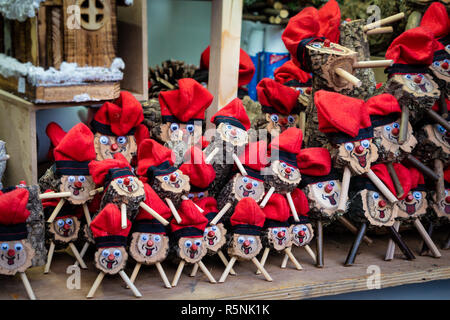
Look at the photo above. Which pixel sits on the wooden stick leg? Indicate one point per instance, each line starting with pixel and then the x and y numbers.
pixel 401 244
pixel 127 280
pixel 426 238
pixel 155 214
pixel 422 167
pixel 267 197
pixel 261 268
pixel 404 121
pixel 297 264
pixel 87 214
pixel 381 186
pixel 83 252
pixel 263 259
pixel 390 251
pixel 123 211
pixel 354 250
pixel 194 270
pixel 95 285
pixel 173 210
pixel 227 270
pixel 56 210
pixel 77 255
pixel 342 204
pixel 27 285
pixel 425 250
pixel 163 275
pixel 346 223
pixel 178 273
pixel 136 269
pixel 348 76
pixel 220 214
pixel 292 207
pixel 393 174
pixel 225 261
pixel 51 250
pixel 302 121
pixel 239 165
pixel 438 119
pixel 446 244
pixel 319 244
pixel 206 272
pixel 311 253
pixel 285 261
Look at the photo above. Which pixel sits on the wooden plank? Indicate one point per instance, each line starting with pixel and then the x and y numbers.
pixel 55 38
pixel 226 20
pixel 132 33
pixel 96 92
pixel 42 36
pixel 33 41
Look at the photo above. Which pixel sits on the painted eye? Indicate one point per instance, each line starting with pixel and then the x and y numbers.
pixel 69 221
pixel 166 178
pixel 191 196
pixel 229 127
pixel 304 228
pixel 441 129
pixel 296 229
pixel 201 194
pixel 176 174
pixel 121 140
pixel 71 179
pixel 251 239
pixel 283 230
pixel 300 90
pixel 291 119
pixel 375 195
pixel 332 183
pixel 198 243
pixel 396 125
pixel 408 76
pixel 245 179
pixel 214 228
pixel 144 237
pixel 157 238
pixel 120 181
pixel 117 253
pixel 188 244
pixel 316 45
pixel 60 223
pixel 446 192
pixel 417 195
pixel 82 178
pixel 365 143
pixel 174 127
pixel 420 75
pixel 190 128
pixel 240 240
pixel 131 179
pixel 447 47
pixel 436 64
pixel 284 165
pixel 5 246
pixel 275 231
pixel 104 140
pixel 274 118
pixel 320 185
pixel 349 146
pixel 387 128
pixel 18 246
pixel 255 183
pixel 105 253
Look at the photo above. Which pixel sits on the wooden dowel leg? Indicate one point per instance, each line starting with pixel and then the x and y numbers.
pixel 163 275
pixel 354 250
pixel 390 251
pixel 155 214
pixel 178 273
pixel 127 280
pixel 425 250
pixel 87 214
pixel 225 261
pixel 135 272
pixel 194 270
pixel 51 250
pixel 348 76
pixel 27 285
pixel 404 121
pixel 401 244
pixel 438 119
pixel 123 211
pixel 209 158
pixel 83 252
pixel 267 197
pixel 77 255
pixel 443 110
pixel 440 183
pixel 263 259
pixel 426 238
pixel 384 21
pixel 56 210
pixel 346 223
pixel 381 186
pixel 285 261
pixel 380 30
pixel 261 268
pixel 292 207
pixel 319 244
pixel 342 204
pixel 297 264
pixel 446 244
pixel 206 272
pixel 173 210
pixel 220 214
pixel 95 285
pixel 311 253
pixel 422 167
pixel 393 174
pixel 239 165
pixel 302 121
pixel 227 270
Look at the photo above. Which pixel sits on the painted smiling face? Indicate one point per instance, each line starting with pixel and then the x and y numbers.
pixel 175 182
pixel 65 229
pixel 414 205
pixel 233 135
pixel 245 246
pixel 192 250
pixel 279 238
pixel 214 237
pixel 278 123
pixel 189 133
pixel 325 195
pixel 358 154
pixel 195 196
pixel 377 209
pixel 419 84
pixel 128 186
pixel 439 136
pixel 111 260
pixel 389 135
pixel 301 234
pixel 79 186
pixel 442 208
pixel 107 146
pixel 285 172
pixel 244 187
pixel 441 69
pixel 15 256
pixel 149 248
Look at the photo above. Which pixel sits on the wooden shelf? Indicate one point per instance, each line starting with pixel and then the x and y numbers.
pixel 288 283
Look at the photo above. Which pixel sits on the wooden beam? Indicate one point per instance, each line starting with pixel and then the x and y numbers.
pixel 226 20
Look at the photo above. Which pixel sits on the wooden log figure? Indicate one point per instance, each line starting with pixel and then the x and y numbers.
pixel 149 243
pixel 3 158
pixel 187 239
pixel 441 198
pixel 183 116
pixel 114 126
pixel 110 240
pixel 228 142
pixel 245 243
pixel 16 251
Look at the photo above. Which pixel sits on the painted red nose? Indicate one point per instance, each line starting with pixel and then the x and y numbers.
pixel 194 247
pixel 326 43
pixel 328 188
pixel 417 79
pixel 283 121
pixel 359 149
pixel 11 252
pixel 288 170
pixel 233 132
pixel 301 233
pixel 78 184
pixel 173 177
pixel 382 203
pixel 444 65
pixel 149 243
pixel 126 181
pixel 114 147
pixel 66 226
pixel 111 257
pixel 308 90
pixel 409 198
pixel 281 234
pixel 211 233
pixel 395 131
pixel 447 199
pixel 248 186
pixel 246 243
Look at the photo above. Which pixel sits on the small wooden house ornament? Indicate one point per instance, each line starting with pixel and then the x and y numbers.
pixel 245 243
pixel 183 115
pixel 110 240
pixel 15 249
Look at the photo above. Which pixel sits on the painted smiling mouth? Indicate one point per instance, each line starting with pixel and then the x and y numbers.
pixel 9 259
pixel 330 198
pixel 410 208
pixel 109 264
pixel 422 87
pixel 281 240
pixel 130 188
pixel 246 250
pixel 300 238
pixel 76 191
pixel 381 214
pixel 64 232
pixel 447 208
pixel 176 184
pixel 192 253
pixel 362 160
pixel 287 175
pixel 246 193
pixel 211 240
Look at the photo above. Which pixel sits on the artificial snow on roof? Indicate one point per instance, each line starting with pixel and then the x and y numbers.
pixel 19 9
